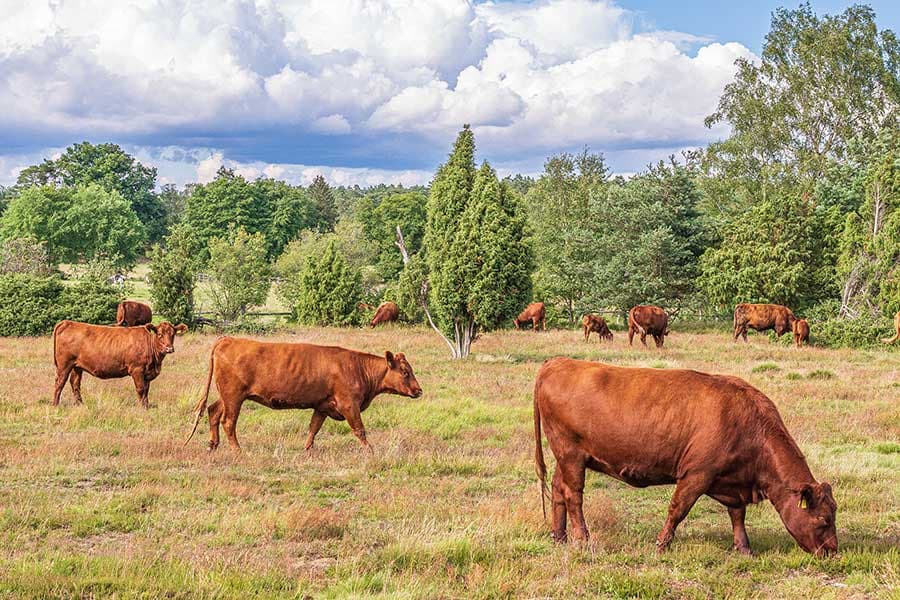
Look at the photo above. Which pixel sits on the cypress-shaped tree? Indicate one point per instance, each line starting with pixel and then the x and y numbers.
pixel 323 200
pixel 329 290
pixel 478 256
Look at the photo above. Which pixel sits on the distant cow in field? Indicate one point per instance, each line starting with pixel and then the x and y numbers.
pixel 801 332
pixel 762 317
pixel 708 434
pixel 387 312
pixel 110 353
pixel 535 314
pixel 648 320
pixel 131 313
pixel 334 382
pixel 597 324
pixel 896 337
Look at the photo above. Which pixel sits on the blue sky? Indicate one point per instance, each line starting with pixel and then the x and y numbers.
pixel 368 92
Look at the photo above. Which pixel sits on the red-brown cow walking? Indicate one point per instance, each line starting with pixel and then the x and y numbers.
pixel 334 382
pixel 110 353
pixel 130 314
pixel 597 324
pixel 708 434
pixel 762 317
pixel 648 320
pixel 534 313
pixel 387 312
pixel 801 332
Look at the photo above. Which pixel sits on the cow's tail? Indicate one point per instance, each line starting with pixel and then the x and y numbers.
pixel 201 405
pixel 540 466
pixel 55 330
pixel 891 340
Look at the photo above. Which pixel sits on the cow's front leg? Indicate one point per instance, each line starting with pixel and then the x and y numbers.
pixel 142 386
pixel 741 541
pixel 687 491
pixel 350 410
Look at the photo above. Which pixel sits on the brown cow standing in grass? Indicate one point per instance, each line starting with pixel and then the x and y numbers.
pixel 896 337
pixel 708 434
pixel 801 332
pixel 131 313
pixel 535 314
pixel 646 320
pixel 110 353
pixel 387 312
pixel 334 382
pixel 762 317
pixel 597 324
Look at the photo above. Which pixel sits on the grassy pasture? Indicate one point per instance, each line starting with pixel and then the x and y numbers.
pixel 102 500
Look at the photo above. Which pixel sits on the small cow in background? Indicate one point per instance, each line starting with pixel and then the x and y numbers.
pixel 597 324
pixel 801 332
pixel 534 313
pixel 387 312
pixel 762 317
pixel 110 353
pixel 131 313
pixel 648 320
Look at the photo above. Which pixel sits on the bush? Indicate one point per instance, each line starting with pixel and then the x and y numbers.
pixel 328 290
pixel 32 304
pixel 172 277
pixel 29 304
pixel 239 273
pixel 864 331
pixel 24 255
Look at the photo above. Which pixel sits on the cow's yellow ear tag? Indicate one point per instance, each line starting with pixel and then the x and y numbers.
pixel 802 503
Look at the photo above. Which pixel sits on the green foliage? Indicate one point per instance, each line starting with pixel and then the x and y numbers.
pixel 406 291
pixel 239 273
pixel 328 290
pixel 864 331
pixel 77 224
pixel 108 166
pixel 28 304
pixel 380 222
pixel 822 82
pixel 172 278
pixel 292 211
pixel 323 201
pixel 478 256
pixel 32 304
pixel 91 299
pixel 773 253
pixel 24 255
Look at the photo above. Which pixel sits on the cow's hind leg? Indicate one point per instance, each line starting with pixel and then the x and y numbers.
pixel 62 375
pixel 573 493
pixel 558 503
pixel 687 491
pixel 232 409
pixel 315 424
pixel 75 381
pixel 741 541
pixel 215 410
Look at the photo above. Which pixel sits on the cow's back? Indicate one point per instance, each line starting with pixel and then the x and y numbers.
pixel 133 313
pixel 640 425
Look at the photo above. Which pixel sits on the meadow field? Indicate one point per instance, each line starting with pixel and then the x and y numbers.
pixel 102 500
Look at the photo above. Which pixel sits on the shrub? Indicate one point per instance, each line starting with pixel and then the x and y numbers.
pixel 172 277
pixel 24 255
pixel 239 273
pixel 864 331
pixel 328 290
pixel 28 304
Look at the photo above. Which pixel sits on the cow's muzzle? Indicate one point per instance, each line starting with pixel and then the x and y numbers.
pixel 170 349
pixel 417 393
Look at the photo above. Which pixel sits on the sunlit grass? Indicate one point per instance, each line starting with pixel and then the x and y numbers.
pixel 102 500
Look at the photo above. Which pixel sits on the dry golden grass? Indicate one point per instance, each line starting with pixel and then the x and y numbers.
pixel 102 500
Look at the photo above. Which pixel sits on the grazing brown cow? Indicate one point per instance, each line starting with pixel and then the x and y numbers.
pixel 387 312
pixel 708 434
pixel 131 313
pixel 801 332
pixel 334 382
pixel 597 324
pixel 646 320
pixel 110 353
pixel 535 314
pixel 762 317
pixel 896 337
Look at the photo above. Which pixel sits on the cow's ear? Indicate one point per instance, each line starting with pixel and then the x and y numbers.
pixel 806 497
pixel 150 327
pixel 180 328
pixel 389 357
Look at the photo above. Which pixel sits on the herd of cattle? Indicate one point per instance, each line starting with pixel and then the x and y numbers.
pixel 708 434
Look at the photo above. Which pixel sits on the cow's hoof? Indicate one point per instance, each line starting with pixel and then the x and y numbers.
pixel 559 537
pixel 745 550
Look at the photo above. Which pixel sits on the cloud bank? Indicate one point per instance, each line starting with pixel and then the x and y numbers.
pixel 361 85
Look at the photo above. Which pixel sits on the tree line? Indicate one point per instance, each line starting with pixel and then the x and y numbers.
pixel 797 206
